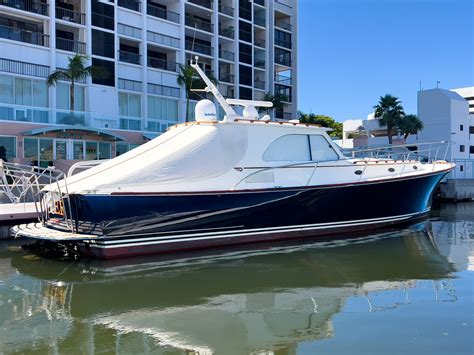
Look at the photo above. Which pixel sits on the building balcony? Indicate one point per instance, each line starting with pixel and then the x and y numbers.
pixel 226 77
pixel 282 43
pixel 226 55
pixel 204 3
pixel 226 10
pixel 259 42
pixel 283 60
pixel 16 34
pixel 162 64
pixel 159 12
pixel 259 21
pixel 259 84
pixel 260 62
pixel 199 24
pixel 130 4
pixel 34 7
pixel 283 25
pixel 129 57
pixel 280 79
pixel 70 15
pixel 199 48
pixel 227 32
pixel 70 45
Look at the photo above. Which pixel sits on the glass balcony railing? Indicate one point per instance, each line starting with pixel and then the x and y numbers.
pixel 35 7
pixel 259 21
pixel 17 34
pixel 157 11
pixel 129 57
pixel 226 77
pixel 227 32
pixel 130 4
pixel 199 24
pixel 227 10
pixel 259 84
pixel 283 24
pixel 226 55
pixel 70 46
pixel 70 15
pixel 199 48
pixel 78 119
pixel 280 79
pixel 157 63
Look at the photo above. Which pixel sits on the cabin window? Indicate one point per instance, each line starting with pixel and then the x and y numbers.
pixel 300 148
pixel 292 147
pixel 321 150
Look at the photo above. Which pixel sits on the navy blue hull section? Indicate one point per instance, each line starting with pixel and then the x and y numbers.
pixel 126 216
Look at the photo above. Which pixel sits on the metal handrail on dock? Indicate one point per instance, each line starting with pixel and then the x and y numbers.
pixel 21 181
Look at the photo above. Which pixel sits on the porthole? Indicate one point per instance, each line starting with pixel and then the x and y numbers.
pixel 415 167
pixel 358 172
pixel 391 170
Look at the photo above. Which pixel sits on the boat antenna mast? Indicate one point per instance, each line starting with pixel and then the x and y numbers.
pixel 230 113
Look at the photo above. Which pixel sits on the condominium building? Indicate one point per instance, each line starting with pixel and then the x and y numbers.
pixel 248 46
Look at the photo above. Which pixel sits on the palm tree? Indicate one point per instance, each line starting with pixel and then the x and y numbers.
pixel 277 100
pixel 389 110
pixel 76 71
pixel 186 78
pixel 410 124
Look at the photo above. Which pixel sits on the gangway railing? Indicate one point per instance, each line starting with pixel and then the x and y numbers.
pixel 23 183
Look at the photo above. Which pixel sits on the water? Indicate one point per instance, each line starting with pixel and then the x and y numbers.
pixel 409 291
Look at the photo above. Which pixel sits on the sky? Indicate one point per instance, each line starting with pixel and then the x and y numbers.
pixel 351 52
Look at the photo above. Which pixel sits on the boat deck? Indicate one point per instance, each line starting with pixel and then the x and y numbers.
pixel 40 232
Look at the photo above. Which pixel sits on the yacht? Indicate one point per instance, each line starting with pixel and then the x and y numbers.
pixel 243 179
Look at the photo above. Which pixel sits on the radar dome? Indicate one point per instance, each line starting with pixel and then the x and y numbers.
pixel 205 111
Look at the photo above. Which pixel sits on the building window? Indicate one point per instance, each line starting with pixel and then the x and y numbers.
pixel 102 14
pixel 7 147
pixel 121 148
pixel 245 53
pixel 245 75
pixel 109 67
pixel 461 168
pixel 39 151
pixel 162 109
pixel 462 148
pixel 245 93
pixel 63 97
pixel 461 127
pixel 471 129
pixel 471 149
pixel 129 105
pixel 103 44
pixel 21 91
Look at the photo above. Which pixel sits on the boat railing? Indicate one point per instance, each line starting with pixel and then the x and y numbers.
pixel 430 152
pixel 84 165
pixel 23 183
pixel 426 152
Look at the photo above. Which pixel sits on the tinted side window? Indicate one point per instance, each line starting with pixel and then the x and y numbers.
pixel 321 150
pixel 292 147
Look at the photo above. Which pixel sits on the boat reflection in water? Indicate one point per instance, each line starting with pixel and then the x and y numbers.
pixel 236 302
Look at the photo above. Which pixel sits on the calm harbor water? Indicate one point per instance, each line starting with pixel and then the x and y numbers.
pixel 408 291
